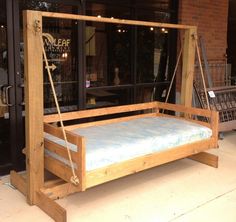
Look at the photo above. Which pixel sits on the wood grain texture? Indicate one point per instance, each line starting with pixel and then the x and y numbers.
pixel 185 109
pixel 58 168
pixel 57 132
pixel 206 158
pixel 18 181
pixel 59 191
pixel 81 164
pixel 114 20
pixel 99 112
pixel 34 104
pixel 215 126
pixel 60 150
pixel 50 207
pixel 188 66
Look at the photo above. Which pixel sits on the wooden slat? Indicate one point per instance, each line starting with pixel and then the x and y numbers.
pixel 59 150
pixel 34 103
pixel 57 132
pixel 52 183
pixel 64 172
pixel 118 170
pixel 58 168
pixel 81 163
pixel 215 126
pixel 104 122
pixel 50 207
pixel 61 190
pixel 99 112
pixel 185 109
pixel 115 21
pixel 19 182
pixel 188 66
pixel 206 158
pixel 182 118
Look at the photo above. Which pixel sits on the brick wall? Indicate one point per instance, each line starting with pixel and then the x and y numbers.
pixel 211 18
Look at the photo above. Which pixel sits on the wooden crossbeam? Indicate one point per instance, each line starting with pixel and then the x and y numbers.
pixel 115 21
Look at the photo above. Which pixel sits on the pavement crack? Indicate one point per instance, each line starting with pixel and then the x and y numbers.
pixel 201 205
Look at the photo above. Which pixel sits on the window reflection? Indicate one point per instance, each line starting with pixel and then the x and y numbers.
pixel 3 62
pixel 103 98
pixel 152 58
pixel 5 154
pixel 108 47
pixel 151 93
pixel 127 56
pixel 61 44
pixel 61 49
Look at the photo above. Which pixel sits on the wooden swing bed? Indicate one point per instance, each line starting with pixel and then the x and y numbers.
pixel 43 192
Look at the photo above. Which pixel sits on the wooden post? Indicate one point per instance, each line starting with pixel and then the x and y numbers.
pixel 33 63
pixel 188 66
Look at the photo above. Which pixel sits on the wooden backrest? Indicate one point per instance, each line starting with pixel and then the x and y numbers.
pixel 151 107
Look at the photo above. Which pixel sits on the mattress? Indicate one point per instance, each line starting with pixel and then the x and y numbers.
pixel 117 142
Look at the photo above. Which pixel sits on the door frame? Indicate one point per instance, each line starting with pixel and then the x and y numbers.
pixel 16 119
pixel 17 122
pixel 12 162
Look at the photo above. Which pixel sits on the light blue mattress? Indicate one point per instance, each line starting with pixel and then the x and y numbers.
pixel 116 142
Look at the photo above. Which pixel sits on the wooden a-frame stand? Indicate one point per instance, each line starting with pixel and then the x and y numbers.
pixel 33 183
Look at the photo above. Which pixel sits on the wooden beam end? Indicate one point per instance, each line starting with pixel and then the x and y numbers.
pixel 206 158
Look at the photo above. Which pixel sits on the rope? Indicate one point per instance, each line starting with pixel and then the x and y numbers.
pixel 201 69
pixel 202 74
pixel 174 74
pixel 74 179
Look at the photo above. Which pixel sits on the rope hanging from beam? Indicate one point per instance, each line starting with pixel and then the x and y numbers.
pixel 74 179
pixel 201 69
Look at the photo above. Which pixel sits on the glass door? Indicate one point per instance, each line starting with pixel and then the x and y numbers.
pixel 61 41
pixel 7 100
pixel 61 44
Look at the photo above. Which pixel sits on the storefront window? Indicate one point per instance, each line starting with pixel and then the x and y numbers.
pixel 152 55
pixel 61 45
pixel 5 154
pixel 108 48
pixel 127 56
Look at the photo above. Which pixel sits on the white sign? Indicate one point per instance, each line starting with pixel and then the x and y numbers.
pixel 211 94
pixel 52 67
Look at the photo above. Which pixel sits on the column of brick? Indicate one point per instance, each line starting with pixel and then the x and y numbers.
pixel 211 18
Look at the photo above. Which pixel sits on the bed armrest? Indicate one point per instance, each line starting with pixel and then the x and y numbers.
pixel 184 109
pixel 78 157
pixel 189 113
